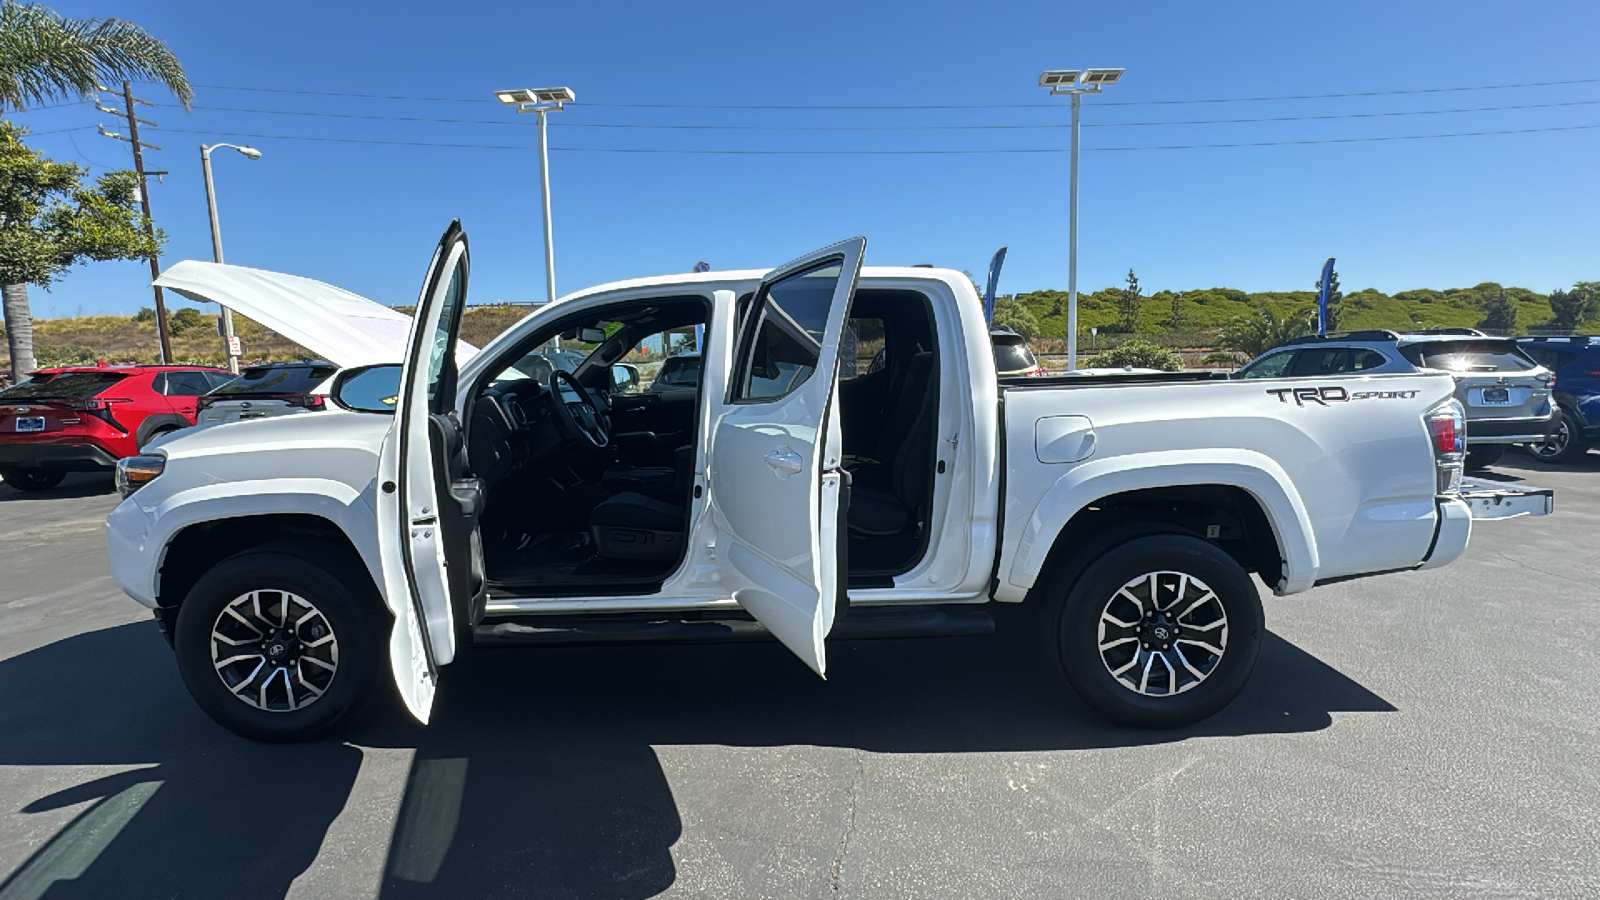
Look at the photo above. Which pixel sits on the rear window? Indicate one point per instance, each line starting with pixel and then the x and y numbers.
pixel 63 386
pixel 1012 356
pixel 1468 356
pixel 279 380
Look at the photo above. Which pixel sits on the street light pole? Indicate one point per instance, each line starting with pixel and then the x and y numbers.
pixel 544 194
pixel 540 102
pixel 216 238
pixel 1075 83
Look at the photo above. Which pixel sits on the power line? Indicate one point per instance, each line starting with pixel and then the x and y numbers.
pixel 955 152
pixel 485 99
pixel 1035 127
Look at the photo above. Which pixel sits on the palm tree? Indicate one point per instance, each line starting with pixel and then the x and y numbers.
pixel 46 57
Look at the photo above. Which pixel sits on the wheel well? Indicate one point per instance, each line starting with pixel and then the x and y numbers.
pixel 1227 516
pixel 199 547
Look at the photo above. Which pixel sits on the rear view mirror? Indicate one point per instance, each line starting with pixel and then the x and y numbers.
pixel 585 335
pixel 369 388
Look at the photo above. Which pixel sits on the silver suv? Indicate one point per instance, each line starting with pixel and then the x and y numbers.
pixel 1506 393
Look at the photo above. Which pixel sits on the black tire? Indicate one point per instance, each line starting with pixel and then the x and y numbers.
pixel 31 479
pixel 1187 699
pixel 1483 456
pixel 350 610
pixel 158 433
pixel 1566 444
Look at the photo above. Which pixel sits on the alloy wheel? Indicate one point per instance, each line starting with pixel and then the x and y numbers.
pixel 274 650
pixel 1555 444
pixel 1162 633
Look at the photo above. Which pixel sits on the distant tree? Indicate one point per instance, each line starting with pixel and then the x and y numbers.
pixel 187 319
pixel 1335 300
pixel 1009 312
pixel 1139 354
pixel 1499 313
pixel 1177 318
pixel 46 57
pixel 1259 332
pixel 1568 308
pixel 50 219
pixel 1130 304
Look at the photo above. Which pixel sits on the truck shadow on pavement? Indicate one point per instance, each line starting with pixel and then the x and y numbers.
pixel 80 484
pixel 538 776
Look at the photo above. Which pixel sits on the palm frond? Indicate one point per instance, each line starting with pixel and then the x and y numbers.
pixel 44 56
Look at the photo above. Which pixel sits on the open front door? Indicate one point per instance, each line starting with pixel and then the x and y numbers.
pixel 775 473
pixel 411 470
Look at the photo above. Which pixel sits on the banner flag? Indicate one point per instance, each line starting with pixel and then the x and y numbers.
pixel 1322 296
pixel 994 282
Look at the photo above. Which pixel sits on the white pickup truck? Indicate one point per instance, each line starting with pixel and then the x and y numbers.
pixel 850 466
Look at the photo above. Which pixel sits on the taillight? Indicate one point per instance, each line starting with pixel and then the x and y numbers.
pixel 1447 436
pixel 1447 425
pixel 204 403
pixel 100 409
pixel 307 401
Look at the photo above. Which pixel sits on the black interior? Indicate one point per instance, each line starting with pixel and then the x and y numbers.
pixel 567 515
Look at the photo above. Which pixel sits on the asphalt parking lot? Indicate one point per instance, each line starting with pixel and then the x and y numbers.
pixel 1423 734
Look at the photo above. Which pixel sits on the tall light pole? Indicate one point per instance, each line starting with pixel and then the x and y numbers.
pixel 541 101
pixel 216 238
pixel 1075 83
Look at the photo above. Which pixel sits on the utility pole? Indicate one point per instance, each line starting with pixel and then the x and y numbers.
pixel 144 202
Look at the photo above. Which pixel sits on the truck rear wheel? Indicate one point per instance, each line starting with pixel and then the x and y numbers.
pixel 276 647
pixel 1161 631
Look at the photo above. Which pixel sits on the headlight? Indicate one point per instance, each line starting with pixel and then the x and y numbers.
pixel 135 472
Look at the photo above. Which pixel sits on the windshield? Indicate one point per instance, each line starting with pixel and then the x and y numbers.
pixel 276 380
pixel 1013 356
pixel 1468 356
pixel 61 386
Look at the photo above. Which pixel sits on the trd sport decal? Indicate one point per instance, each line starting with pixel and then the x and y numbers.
pixel 1322 396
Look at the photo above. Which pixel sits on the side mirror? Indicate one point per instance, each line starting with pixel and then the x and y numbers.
pixel 373 389
pixel 624 378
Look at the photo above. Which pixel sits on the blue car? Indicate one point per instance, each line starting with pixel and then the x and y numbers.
pixel 1576 361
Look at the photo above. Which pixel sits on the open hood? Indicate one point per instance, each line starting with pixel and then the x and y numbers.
pixel 345 329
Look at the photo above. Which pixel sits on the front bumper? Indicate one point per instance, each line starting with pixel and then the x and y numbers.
pixel 128 540
pixel 57 456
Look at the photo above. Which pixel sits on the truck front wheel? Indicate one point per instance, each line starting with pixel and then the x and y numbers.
pixel 275 646
pixel 1161 631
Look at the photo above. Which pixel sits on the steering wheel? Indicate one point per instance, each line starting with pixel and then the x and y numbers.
pixel 581 420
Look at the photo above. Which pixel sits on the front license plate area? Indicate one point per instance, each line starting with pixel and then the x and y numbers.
pixel 30 423
pixel 1496 395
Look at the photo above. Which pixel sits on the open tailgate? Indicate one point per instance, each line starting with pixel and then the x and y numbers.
pixel 1501 500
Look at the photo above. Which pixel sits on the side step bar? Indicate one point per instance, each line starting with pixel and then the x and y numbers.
pixel 861 623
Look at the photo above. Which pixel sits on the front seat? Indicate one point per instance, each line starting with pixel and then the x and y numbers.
pixel 890 497
pixel 631 526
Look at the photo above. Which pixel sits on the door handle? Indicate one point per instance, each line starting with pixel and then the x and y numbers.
pixel 785 462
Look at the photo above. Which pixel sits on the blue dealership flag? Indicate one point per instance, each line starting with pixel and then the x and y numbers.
pixel 1323 289
pixel 994 282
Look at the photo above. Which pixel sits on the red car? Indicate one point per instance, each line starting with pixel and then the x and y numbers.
pixel 85 418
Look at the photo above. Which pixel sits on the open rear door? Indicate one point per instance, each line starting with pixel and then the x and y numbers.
pixel 411 542
pixel 775 476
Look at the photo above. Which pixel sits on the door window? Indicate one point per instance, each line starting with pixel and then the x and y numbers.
pixel 185 384
pixel 1273 366
pixel 1321 361
pixel 783 348
pixel 439 349
pixel 1366 359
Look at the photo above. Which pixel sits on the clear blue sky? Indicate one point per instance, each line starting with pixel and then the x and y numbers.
pixel 1521 209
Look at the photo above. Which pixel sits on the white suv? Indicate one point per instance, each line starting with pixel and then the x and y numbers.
pixel 1506 394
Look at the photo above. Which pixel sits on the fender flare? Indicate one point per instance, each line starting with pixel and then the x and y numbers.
pixel 155 422
pixel 338 503
pixel 1255 473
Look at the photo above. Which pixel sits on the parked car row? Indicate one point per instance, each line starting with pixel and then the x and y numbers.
pixel 1507 394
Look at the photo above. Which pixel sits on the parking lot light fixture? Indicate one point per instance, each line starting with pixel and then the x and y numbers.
pixel 541 101
pixel 216 237
pixel 1075 83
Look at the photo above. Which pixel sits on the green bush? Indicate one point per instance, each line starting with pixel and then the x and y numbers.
pixel 1139 354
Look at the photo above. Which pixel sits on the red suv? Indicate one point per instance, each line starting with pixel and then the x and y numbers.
pixel 85 418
